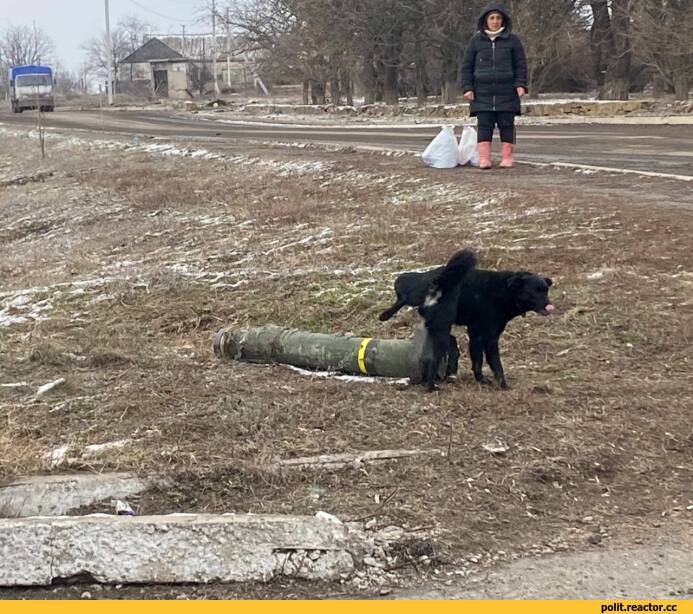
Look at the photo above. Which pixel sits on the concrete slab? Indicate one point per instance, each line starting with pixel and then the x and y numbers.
pixel 177 548
pixel 55 495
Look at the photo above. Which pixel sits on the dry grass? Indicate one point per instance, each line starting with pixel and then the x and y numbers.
pixel 597 421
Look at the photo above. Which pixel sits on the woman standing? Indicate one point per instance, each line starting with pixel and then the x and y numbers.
pixel 493 79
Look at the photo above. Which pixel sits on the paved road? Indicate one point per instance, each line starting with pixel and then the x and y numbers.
pixel 645 572
pixel 663 149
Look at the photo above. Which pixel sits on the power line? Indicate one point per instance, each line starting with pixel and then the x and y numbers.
pixel 153 12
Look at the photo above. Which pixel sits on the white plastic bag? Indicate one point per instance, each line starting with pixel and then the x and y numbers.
pixel 442 150
pixel 467 153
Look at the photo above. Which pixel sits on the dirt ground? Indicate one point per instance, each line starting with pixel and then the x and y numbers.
pixel 119 260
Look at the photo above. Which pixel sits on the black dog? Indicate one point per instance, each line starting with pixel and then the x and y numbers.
pixel 484 301
pixel 413 288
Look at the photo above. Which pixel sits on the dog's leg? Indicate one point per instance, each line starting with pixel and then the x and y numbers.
pixel 453 357
pixel 390 311
pixel 440 342
pixel 494 361
pixel 476 353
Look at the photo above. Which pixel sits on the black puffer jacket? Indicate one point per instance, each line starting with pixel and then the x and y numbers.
pixel 492 70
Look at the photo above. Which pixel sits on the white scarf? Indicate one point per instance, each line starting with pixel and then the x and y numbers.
pixel 494 35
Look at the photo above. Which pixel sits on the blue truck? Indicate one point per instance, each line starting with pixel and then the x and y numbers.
pixel 31 87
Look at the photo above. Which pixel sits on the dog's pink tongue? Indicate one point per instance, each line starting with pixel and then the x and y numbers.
pixel 549 308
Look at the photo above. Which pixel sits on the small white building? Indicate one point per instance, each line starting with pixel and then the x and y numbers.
pixel 166 71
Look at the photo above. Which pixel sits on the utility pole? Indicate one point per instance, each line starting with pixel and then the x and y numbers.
pixel 228 48
pixel 214 46
pixel 182 42
pixel 109 53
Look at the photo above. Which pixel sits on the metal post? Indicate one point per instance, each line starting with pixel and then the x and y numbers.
pixel 109 54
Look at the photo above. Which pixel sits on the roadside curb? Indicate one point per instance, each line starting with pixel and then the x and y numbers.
pixel 559 165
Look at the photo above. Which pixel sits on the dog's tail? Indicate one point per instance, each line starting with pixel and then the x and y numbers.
pixel 456 269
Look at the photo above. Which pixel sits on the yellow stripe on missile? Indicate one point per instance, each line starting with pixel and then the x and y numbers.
pixel 361 356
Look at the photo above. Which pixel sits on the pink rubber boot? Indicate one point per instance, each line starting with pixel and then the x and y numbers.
pixel 507 151
pixel 484 149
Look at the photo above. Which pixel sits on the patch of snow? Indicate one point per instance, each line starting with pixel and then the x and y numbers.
pixel 599 274
pixel 19 301
pixel 57 455
pixel 20 310
pixel 97 448
pixel 538 210
pixel 497 447
pixel 87 283
pixel 361 379
pixel 485 203
pixel 49 386
pixel 100 298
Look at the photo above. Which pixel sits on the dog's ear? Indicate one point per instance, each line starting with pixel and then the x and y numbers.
pixel 549 281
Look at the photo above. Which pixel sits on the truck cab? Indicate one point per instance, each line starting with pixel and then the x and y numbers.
pixel 31 87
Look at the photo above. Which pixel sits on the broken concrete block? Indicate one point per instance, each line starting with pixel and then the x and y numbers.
pixel 25 553
pixel 176 548
pixel 55 495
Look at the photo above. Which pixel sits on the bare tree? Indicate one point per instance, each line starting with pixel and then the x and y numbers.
pixel 400 46
pixel 601 39
pixel 449 24
pixel 618 69
pixel 96 49
pixel 611 44
pixel 269 27
pixel 548 29
pixel 299 40
pixel 130 34
pixel 24 45
pixel 663 44
pixel 66 82
pixel 21 45
pixel 378 30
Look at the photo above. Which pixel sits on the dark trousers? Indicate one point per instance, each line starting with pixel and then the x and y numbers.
pixel 487 120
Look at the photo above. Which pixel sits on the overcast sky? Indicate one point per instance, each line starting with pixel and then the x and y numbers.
pixel 70 23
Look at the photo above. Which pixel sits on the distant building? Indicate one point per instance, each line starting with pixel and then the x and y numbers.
pixel 162 68
pixel 234 67
pixel 176 66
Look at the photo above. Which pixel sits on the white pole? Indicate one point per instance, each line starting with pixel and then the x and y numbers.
pixel 228 49
pixel 214 46
pixel 109 53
